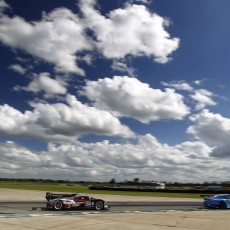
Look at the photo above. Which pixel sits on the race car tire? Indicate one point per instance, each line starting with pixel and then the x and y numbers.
pixel 223 205
pixel 99 205
pixel 58 205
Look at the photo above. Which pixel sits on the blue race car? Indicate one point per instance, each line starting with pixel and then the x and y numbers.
pixel 217 201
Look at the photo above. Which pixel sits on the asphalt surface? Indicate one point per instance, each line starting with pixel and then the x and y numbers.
pixel 149 213
pixel 25 207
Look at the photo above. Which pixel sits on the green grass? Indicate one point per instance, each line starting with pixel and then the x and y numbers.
pixel 46 187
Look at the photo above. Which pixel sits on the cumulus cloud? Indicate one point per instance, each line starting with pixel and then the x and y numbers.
pixel 197 149
pixel 140 1
pixel 132 30
pixel 125 96
pixel 123 68
pixel 203 98
pixel 3 5
pixel 52 39
pixel 105 160
pixel 198 82
pixel 60 122
pixel 60 37
pixel 213 129
pixel 180 85
pixel 17 68
pixel 10 153
pixel 43 82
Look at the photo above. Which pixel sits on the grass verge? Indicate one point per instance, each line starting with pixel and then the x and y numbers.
pixel 83 189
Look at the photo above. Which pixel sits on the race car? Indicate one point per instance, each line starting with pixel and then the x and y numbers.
pixel 60 201
pixel 217 201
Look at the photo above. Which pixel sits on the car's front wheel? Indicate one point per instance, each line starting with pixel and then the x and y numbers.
pixel 223 205
pixel 57 205
pixel 99 205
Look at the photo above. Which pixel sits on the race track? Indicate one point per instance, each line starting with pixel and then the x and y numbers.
pixel 22 209
pixel 8 208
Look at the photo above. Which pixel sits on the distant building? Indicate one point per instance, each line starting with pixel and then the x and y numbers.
pixel 159 185
pixel 153 184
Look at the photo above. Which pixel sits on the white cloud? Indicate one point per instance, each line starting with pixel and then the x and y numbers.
pixel 52 39
pixel 123 67
pixel 59 37
pixel 60 122
pixel 203 98
pixel 43 82
pixel 181 85
pixel 146 159
pixel 3 5
pixel 10 153
pixel 140 1
pixel 198 82
pixel 18 68
pixel 196 149
pixel 130 31
pixel 125 96
pixel 213 129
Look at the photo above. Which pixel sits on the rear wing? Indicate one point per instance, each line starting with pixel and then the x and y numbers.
pixel 50 195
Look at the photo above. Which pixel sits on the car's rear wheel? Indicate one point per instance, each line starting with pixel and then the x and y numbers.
pixel 58 205
pixel 223 205
pixel 99 205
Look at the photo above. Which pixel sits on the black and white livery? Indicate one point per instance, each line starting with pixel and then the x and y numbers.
pixel 60 201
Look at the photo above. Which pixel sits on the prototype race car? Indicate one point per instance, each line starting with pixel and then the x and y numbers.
pixel 59 201
pixel 217 201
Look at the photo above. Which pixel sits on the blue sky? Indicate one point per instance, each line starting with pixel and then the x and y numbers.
pixel 95 90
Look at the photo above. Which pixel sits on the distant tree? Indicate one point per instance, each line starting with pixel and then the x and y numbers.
pixel 112 181
pixel 136 180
